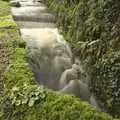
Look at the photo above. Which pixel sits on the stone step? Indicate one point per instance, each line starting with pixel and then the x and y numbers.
pixel 40 18
pixel 36 34
pixel 32 13
pixel 28 10
pixel 23 0
pixel 29 3
pixel 26 3
pixel 25 24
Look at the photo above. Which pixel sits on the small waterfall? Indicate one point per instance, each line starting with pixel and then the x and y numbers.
pixel 50 56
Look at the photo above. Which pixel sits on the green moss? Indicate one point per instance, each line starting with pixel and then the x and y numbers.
pixel 6 17
pixel 8 43
pixel 7 22
pixel 50 106
pixel 4 8
pixel 19 73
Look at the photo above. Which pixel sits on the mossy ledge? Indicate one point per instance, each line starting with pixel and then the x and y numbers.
pixel 22 98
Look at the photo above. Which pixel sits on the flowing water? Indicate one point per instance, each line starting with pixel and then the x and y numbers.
pixel 49 54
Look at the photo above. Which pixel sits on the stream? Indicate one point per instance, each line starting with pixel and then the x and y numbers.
pixel 49 54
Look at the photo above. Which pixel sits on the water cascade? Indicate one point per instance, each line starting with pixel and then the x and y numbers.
pixel 50 56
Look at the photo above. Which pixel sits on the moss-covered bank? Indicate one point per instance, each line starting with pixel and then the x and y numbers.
pixel 22 98
pixel 92 28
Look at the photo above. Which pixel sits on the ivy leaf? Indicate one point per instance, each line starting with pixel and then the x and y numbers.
pixel 31 102
pixel 18 102
pixel 25 101
pixel 15 88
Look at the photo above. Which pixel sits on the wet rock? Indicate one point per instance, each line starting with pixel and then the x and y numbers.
pixel 15 3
